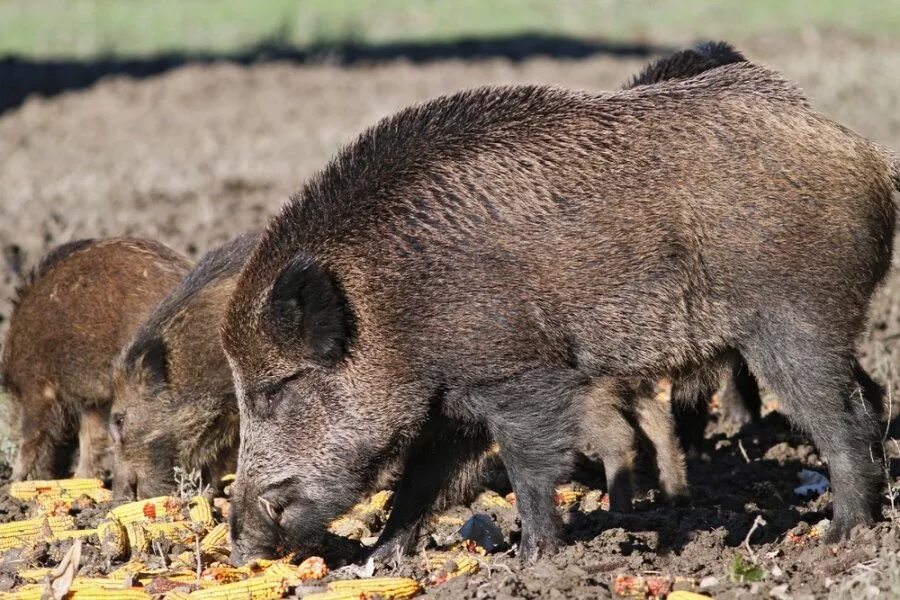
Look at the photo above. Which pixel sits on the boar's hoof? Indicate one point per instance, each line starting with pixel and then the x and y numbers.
pixel 841 526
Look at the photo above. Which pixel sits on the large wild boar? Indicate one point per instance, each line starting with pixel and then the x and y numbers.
pixel 462 271
pixel 174 399
pixel 72 316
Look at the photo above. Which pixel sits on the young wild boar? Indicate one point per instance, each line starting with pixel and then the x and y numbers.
pixel 173 393
pixel 463 271
pixel 72 316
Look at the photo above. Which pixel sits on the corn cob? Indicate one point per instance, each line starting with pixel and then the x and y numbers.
pixel 256 588
pixel 107 594
pixel 64 489
pixel 347 595
pixel 377 502
pixel 216 539
pixel 72 534
pixel 453 563
pixel 18 533
pixel 158 508
pixel 34 574
pixel 200 511
pixel 313 567
pixel 567 494
pixel 448 520
pixel 389 588
pixel 113 538
pixel 350 528
pixel 220 575
pixel 685 595
pixel 142 535
pixel 493 500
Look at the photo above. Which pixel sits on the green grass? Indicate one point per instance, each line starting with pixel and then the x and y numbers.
pixel 88 28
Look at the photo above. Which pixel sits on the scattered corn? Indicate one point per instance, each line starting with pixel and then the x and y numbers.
pixel 107 594
pixel 493 500
pixel 216 539
pixel 59 489
pixel 255 588
pixel 389 588
pixel 113 538
pixel 142 535
pixel 312 568
pixel 200 511
pixel 685 595
pixel 159 508
pixel 350 528
pixel 18 533
pixel 72 534
pixel 456 561
pixel 566 495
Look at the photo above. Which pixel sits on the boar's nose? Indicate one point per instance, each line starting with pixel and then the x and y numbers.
pixel 237 559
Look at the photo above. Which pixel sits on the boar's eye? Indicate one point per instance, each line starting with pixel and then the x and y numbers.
pixel 117 427
pixel 270 510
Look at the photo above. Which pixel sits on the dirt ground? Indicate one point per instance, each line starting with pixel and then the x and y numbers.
pixel 200 153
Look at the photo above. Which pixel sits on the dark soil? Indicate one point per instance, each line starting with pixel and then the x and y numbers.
pixel 202 152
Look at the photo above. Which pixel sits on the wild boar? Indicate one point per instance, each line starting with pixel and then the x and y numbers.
pixel 174 399
pixel 72 316
pixel 463 271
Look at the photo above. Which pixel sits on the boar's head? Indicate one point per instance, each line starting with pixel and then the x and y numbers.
pixel 311 439
pixel 144 438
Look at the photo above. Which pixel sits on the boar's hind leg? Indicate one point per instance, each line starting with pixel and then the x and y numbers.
pixel 535 420
pixel 612 436
pixel 441 469
pixel 656 420
pixel 821 392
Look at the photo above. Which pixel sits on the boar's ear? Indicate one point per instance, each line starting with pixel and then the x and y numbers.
pixel 155 361
pixel 307 303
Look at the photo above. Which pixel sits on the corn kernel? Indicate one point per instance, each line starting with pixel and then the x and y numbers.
pixel 200 511
pixel 389 588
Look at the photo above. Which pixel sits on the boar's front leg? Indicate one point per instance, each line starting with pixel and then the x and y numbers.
pixel 535 419
pixel 442 468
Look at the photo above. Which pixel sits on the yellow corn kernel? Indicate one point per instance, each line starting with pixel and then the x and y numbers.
pixel 71 488
pixel 142 535
pixel 32 591
pixel 389 588
pixel 152 509
pixel 255 588
pixel 200 511
pixel 17 534
pixel 178 595
pixel 454 563
pixel 378 501
pixel 347 595
pixel 219 575
pixel 108 594
pixel 685 595
pixel 350 528
pixel 493 500
pixel 113 538
pixel 567 494
pixel 216 538
pixel 34 574
pixel 312 568
pixel 72 534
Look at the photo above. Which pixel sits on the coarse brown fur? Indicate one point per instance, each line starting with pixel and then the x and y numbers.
pixel 174 400
pixel 465 269
pixel 72 315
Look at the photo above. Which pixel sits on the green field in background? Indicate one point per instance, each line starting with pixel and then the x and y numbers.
pixel 88 28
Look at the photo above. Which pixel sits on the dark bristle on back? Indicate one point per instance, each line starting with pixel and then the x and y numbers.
pixel 688 63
